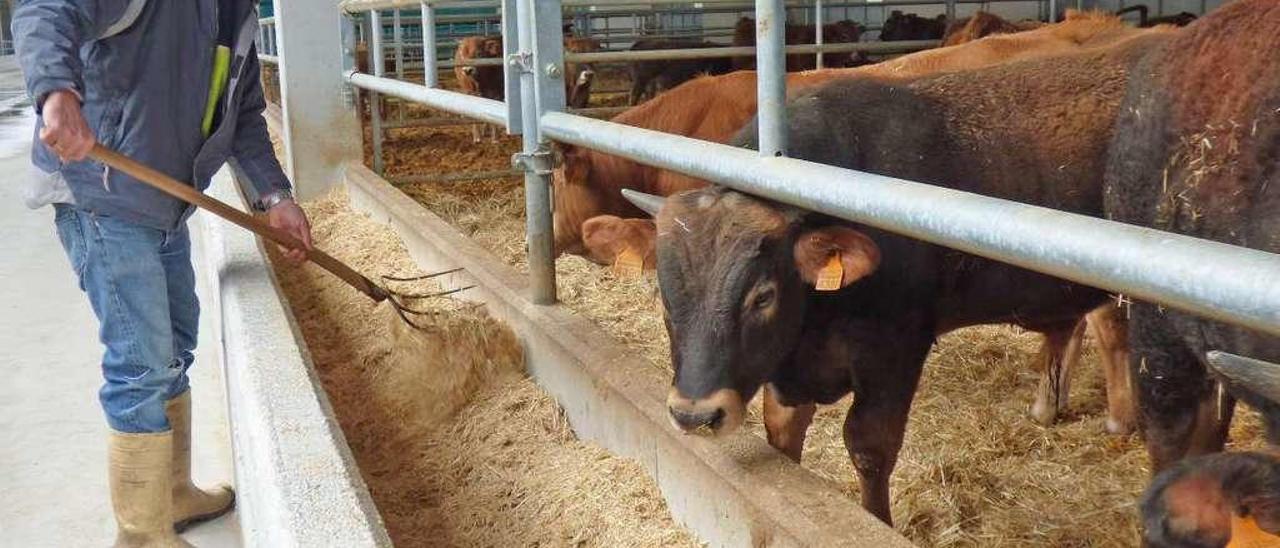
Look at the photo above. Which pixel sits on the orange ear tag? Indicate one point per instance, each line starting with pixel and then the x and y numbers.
pixel 1245 533
pixel 831 275
pixel 628 264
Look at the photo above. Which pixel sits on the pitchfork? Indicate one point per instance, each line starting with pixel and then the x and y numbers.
pixel 186 193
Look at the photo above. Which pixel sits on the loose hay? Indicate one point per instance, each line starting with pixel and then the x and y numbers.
pixel 457 446
pixel 974 470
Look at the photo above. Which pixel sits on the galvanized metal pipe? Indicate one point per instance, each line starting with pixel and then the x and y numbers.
pixel 397 36
pixel 540 44
pixel 771 69
pixel 511 71
pixel 375 105
pixel 818 20
pixel 903 46
pixel 429 69
pixel 1210 279
pixel 624 7
pixel 440 121
pixel 486 110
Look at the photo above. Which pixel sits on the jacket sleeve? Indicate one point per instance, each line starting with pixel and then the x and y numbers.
pixel 252 154
pixel 47 36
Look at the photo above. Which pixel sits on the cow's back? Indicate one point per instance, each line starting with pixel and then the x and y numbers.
pixel 1039 139
pixel 1197 148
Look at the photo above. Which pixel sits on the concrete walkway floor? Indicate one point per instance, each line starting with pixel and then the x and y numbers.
pixel 53 462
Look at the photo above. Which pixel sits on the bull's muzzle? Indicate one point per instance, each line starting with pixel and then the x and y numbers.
pixel 720 412
pixel 585 77
pixel 469 71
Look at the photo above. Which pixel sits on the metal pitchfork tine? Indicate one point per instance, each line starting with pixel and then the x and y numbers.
pixel 188 194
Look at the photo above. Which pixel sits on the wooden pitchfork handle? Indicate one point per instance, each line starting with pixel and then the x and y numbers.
pixel 188 194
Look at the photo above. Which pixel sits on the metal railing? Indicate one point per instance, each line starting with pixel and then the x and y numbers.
pixel 1211 279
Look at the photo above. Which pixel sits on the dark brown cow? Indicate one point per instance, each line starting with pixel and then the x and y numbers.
pixel 649 78
pixel 1196 152
pixel 983 24
pixel 579 76
pixel 840 32
pixel 900 26
pixel 738 275
pixel 1221 500
pixel 1181 19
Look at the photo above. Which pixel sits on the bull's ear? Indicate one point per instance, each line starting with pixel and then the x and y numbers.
pixel 835 256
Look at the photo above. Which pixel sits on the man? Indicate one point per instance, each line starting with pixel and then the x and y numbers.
pixel 175 85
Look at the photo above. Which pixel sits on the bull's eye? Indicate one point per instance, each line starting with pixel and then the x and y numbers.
pixel 763 298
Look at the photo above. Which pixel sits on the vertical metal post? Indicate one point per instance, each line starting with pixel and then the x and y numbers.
pixel 819 19
pixel 430 78
pixel 511 71
pixel 951 10
pixel 275 42
pixel 349 31
pixel 375 103
pixel 397 36
pixel 771 84
pixel 541 90
pixel 1053 11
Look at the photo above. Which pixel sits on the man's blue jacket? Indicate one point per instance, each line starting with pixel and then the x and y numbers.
pixel 143 69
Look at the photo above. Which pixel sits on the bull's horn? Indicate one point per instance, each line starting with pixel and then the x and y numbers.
pixel 648 202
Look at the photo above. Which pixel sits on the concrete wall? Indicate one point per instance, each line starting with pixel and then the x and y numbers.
pixel 297 482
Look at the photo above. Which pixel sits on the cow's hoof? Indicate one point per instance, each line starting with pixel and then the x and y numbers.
pixel 1043 414
pixel 1118 427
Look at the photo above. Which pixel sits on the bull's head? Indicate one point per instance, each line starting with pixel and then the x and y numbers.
pixel 735 274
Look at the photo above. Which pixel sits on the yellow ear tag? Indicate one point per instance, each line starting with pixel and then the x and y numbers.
pixel 628 264
pixel 831 275
pixel 1245 533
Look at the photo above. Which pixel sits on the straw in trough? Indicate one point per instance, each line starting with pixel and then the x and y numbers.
pixel 458 447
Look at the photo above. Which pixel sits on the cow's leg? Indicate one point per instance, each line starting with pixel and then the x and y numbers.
pixel 1213 421
pixel 1111 330
pixel 1059 353
pixel 1174 393
pixel 786 426
pixel 475 133
pixel 877 422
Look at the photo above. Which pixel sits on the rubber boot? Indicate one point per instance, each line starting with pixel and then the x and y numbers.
pixel 141 485
pixel 191 505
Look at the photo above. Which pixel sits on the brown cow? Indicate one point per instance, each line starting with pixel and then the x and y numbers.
pixel 482 81
pixel 840 32
pixel 983 24
pixel 743 280
pixel 1226 499
pixel 1195 152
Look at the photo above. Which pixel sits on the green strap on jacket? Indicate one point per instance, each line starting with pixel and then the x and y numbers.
pixel 217 84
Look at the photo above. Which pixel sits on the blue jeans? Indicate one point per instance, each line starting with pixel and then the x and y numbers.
pixel 141 286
